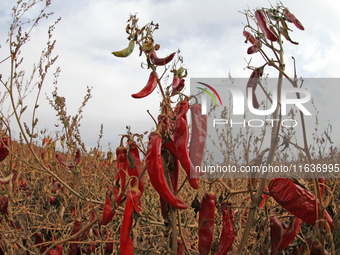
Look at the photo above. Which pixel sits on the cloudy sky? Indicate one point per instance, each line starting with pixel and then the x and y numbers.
pixel 208 33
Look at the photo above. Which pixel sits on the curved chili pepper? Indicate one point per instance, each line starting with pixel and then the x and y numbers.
pixel 57 251
pixel 295 21
pixel 198 135
pixel 154 165
pixel 121 167
pixel 160 61
pixel 149 87
pixel 74 246
pixel 132 201
pixel 4 205
pixel 263 22
pixel 181 138
pixel 228 233
pixel 107 212
pixel 275 234
pixel 3 148
pixel 256 44
pixel 290 234
pixel 206 223
pixel 133 165
pixel 38 239
pixel 91 247
pixel 249 37
pixel 252 83
pixel 70 164
pixel 296 200
pixel 125 52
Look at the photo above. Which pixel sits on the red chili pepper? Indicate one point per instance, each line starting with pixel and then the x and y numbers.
pixel 296 200
pixel 249 37
pixel 4 205
pixel 160 61
pixel 252 83
pixel 291 16
pixel 87 231
pixel 52 200
pixel 132 202
pixel 109 246
pixel 3 147
pixel 290 234
pixel 121 152
pixel 181 138
pixel 263 22
pixel 57 251
pixel 206 223
pixel 265 196
pixel 256 44
pixel 55 186
pixel 91 247
pixel 38 239
pixel 149 88
pixel 70 164
pixel 198 135
pixel 154 165
pixel 228 233
pixel 107 212
pixel 74 247
pixel 276 232
pixel 174 171
pixel 133 165
pixel 180 247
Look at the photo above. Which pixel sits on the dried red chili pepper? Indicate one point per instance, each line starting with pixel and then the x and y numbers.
pixel 107 212
pixel 74 247
pixel 198 134
pixel 4 205
pixel 256 44
pixel 181 138
pixel 149 87
pixel 296 200
pixel 121 152
pixel 249 37
pixel 154 165
pixel 57 251
pixel 263 22
pixel 206 223
pixel 55 186
pixel 160 61
pixel 91 247
pixel 133 164
pixel 295 21
pixel 3 147
pixel 228 233
pixel 38 239
pixel 109 246
pixel 70 164
pixel 252 83
pixel 87 231
pixel 290 234
pixel 275 234
pixel 131 206
pixel 180 247
pixel 265 196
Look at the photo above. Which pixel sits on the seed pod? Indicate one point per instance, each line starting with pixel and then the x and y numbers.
pixel 125 52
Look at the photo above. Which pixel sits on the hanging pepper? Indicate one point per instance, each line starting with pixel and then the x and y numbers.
pixel 290 234
pixel 174 170
pixel 206 223
pixel 125 52
pixel 133 164
pixel 70 164
pixel 180 247
pixel 121 152
pixel 295 21
pixel 38 239
pixel 228 233
pixel 160 61
pixel 181 138
pixel 178 82
pixel 252 83
pixel 74 246
pixel 57 251
pixel 154 165
pixel 107 212
pixel 198 134
pixel 3 147
pixel 296 200
pixel 131 206
pixel 275 234
pixel 263 22
pixel 149 87
pixel 4 205
pixel 256 44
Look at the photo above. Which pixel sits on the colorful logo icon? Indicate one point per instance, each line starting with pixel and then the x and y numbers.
pixel 208 92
